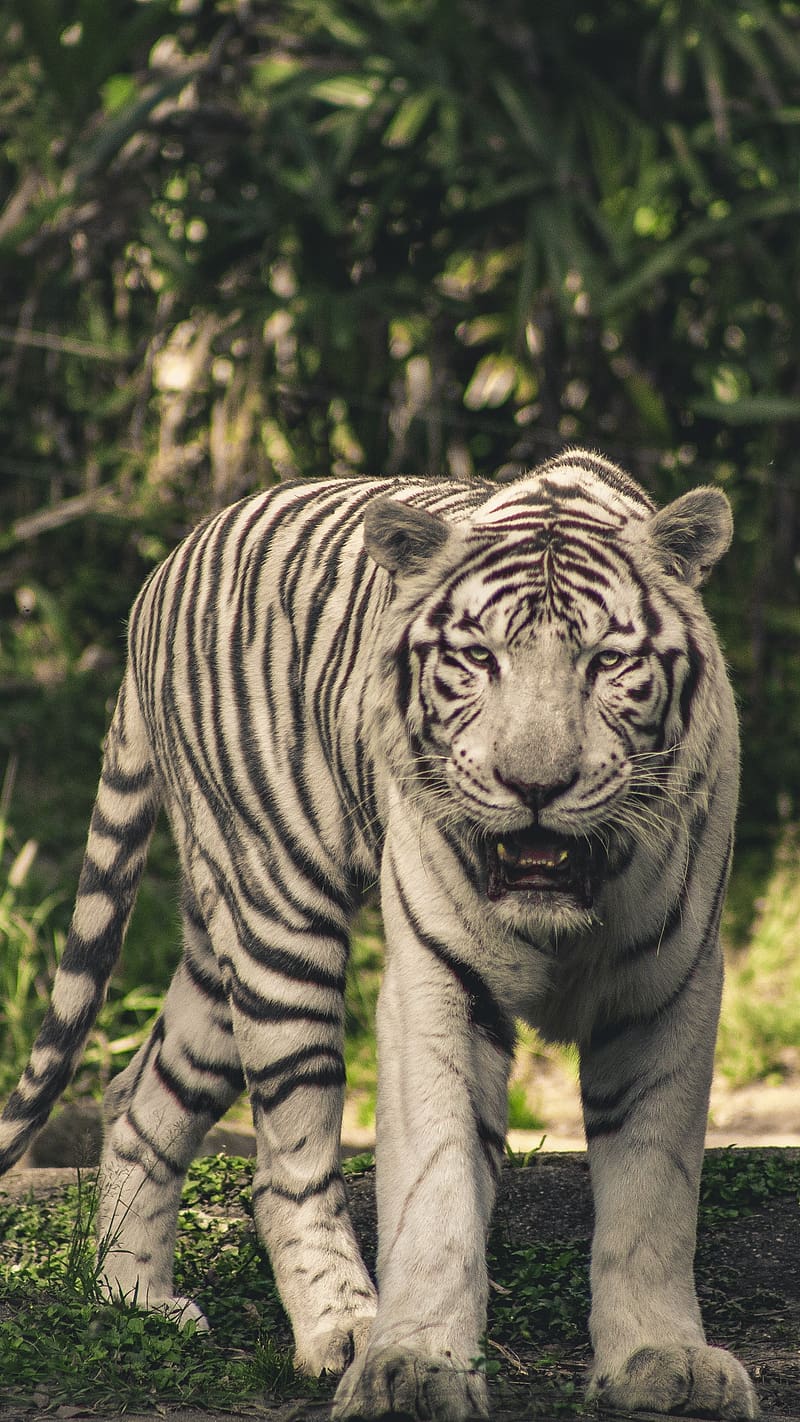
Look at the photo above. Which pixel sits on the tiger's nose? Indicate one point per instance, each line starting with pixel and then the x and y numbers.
pixel 533 793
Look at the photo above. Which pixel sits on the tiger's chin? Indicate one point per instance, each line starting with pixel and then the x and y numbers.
pixel 544 880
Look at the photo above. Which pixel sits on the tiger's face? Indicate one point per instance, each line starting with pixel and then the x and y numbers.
pixel 538 725
pixel 544 676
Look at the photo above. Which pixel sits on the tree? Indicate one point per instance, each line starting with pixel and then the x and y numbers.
pixel 241 243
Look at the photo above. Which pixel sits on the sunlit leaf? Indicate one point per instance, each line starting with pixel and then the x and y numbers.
pixel 273 71
pixel 492 382
pixel 118 91
pixel 345 91
pixel 672 254
pixel 409 119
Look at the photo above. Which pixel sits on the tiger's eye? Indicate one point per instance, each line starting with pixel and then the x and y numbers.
pixel 479 656
pixel 608 659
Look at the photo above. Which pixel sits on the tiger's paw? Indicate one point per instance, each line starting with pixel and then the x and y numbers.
pixel 395 1382
pixel 334 1350
pixel 680 1379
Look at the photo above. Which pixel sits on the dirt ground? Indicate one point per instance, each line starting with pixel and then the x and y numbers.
pixel 748 1276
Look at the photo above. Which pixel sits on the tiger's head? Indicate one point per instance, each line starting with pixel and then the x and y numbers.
pixel 545 662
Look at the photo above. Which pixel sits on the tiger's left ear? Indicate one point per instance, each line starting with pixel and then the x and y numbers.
pixel 692 533
pixel 402 538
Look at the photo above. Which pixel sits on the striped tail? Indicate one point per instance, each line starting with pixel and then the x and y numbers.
pixel 125 812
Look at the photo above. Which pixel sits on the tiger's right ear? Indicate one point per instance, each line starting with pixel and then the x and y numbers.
pixel 401 538
pixel 691 534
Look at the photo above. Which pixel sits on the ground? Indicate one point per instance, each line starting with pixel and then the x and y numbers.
pixel 748 1270
pixel 748 1262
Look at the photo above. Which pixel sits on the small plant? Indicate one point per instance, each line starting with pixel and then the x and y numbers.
pixel 521 1158
pixel 737 1182
pixel 360 1164
pixel 545 1291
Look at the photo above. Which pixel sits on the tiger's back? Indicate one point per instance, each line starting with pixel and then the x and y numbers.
pixel 277 596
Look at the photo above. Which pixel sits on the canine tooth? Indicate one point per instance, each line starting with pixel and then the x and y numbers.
pixel 563 856
pixel 502 852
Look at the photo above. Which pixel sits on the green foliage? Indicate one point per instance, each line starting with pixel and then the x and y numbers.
pixel 28 950
pixel 545 1290
pixel 760 1025
pixel 359 1164
pixel 32 933
pixel 245 242
pixel 734 1184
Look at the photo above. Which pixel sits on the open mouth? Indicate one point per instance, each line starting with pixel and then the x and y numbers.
pixel 539 861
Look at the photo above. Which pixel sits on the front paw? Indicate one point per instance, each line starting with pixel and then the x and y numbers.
pixel 334 1349
pixel 680 1379
pixel 396 1382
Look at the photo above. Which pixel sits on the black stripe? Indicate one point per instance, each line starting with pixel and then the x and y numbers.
pixel 200 1101
pixel 610 1110
pixel 259 1008
pixel 298 1197
pixel 323 1077
pixel 493 1146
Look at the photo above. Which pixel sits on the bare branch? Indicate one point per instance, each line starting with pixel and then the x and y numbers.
pixel 102 500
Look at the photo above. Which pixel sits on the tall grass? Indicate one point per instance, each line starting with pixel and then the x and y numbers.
pixel 28 949
pixel 760 1028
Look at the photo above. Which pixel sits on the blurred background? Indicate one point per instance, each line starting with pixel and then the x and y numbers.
pixel 247 242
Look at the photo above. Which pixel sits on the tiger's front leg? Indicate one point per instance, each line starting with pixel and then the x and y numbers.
pixel 645 1086
pixel 444 1054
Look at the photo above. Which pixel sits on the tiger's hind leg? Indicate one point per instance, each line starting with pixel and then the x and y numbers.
pixel 157 1112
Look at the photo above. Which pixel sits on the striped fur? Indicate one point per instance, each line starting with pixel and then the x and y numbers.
pixel 510 706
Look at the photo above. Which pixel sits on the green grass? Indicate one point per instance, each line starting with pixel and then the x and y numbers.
pixel 28 944
pixel 545 1291
pixel 734 1185
pixel 60 1343
pixel 760 1027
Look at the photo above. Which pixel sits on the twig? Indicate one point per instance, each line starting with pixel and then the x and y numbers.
pixel 102 500
pixel 65 345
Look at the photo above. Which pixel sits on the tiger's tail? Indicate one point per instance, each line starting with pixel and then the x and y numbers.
pixel 124 815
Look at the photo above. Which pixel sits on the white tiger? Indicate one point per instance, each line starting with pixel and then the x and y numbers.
pixel 510 703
